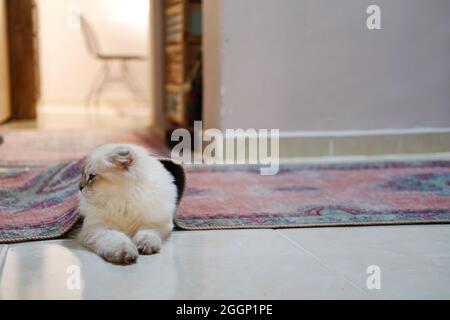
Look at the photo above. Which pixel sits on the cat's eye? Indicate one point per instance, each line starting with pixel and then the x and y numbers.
pixel 91 177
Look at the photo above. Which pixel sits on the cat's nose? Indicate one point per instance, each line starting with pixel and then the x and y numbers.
pixel 80 187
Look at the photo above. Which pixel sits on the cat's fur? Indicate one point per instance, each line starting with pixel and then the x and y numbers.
pixel 128 200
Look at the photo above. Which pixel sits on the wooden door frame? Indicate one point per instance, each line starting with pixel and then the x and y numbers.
pixel 5 105
pixel 23 58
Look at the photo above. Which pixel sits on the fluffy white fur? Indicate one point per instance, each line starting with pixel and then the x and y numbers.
pixel 128 200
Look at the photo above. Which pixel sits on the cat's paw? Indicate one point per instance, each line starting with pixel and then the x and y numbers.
pixel 147 241
pixel 120 251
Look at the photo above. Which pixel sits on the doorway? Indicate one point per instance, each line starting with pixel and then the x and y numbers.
pixel 94 60
pixel 60 69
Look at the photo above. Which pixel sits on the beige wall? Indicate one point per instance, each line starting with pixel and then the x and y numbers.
pixel 67 69
pixel 4 78
pixel 212 44
pixel 156 67
pixel 312 65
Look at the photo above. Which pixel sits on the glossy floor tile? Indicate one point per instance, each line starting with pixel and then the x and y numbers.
pixel 414 261
pixel 313 263
pixel 247 264
pixel 3 252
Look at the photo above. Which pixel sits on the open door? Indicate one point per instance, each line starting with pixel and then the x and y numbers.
pixel 23 58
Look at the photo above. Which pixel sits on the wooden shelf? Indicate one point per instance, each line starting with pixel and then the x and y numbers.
pixel 183 56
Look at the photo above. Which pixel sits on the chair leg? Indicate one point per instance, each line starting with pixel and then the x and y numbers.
pixel 102 85
pixel 131 83
pixel 97 86
pixel 94 86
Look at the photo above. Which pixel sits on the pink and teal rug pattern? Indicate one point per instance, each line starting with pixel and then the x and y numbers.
pixel 317 196
pixel 41 203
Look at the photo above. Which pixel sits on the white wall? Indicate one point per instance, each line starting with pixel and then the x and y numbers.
pixel 313 65
pixel 67 69
pixel 4 72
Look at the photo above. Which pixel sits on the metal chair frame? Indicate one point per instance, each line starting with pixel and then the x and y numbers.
pixel 104 75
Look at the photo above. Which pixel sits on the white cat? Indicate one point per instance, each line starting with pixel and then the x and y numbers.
pixel 128 200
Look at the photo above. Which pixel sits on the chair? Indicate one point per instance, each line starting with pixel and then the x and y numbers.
pixel 104 76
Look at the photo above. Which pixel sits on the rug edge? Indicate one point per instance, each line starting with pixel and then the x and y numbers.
pixel 185 227
pixel 53 236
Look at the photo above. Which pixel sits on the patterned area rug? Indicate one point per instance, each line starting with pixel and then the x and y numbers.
pixel 39 147
pixel 317 195
pixel 41 203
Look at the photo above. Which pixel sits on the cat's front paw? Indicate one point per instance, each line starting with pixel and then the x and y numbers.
pixel 147 241
pixel 121 252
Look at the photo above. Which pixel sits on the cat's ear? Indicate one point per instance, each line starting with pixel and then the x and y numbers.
pixel 121 158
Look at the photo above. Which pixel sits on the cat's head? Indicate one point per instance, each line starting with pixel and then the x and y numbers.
pixel 110 164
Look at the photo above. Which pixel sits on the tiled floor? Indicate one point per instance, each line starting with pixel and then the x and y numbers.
pixel 323 263
pixel 79 117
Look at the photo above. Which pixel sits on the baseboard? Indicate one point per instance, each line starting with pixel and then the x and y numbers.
pixel 300 144
pixel 365 143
